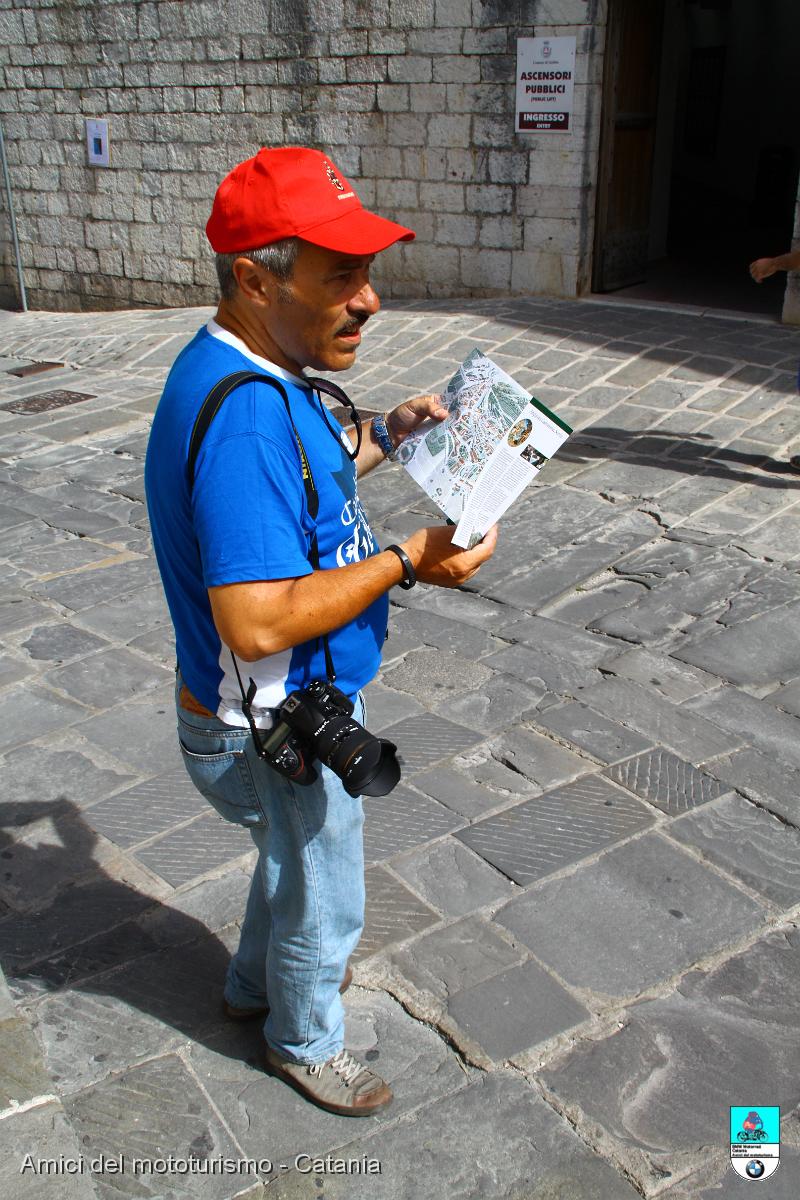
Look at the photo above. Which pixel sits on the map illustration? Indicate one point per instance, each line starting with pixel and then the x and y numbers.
pixel 448 457
pixel 494 441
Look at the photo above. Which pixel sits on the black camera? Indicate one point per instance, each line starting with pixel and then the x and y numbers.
pixel 317 722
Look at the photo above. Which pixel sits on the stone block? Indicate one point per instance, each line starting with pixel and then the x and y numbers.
pixel 33 711
pixel 748 843
pixel 452 879
pixel 88 588
pixel 435 676
pixel 149 808
pixel 385 706
pixel 539 669
pixel 502 701
pixel 765 649
pixel 141 735
pixel 634 1088
pixel 402 820
pixel 751 722
pixel 457 791
pixel 515 1011
pixel 538 758
pixel 196 849
pixel 23 1078
pixel 499 1113
pixel 77 914
pixel 674 680
pixel 410 68
pixel 688 735
pixel 534 839
pixel 603 739
pixel 666 781
pixel 393 913
pixel 150 1112
pixel 55 778
pixel 631 919
pixel 424 740
pixel 45 1134
pixel 107 678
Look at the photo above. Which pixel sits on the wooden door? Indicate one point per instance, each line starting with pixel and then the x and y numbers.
pixel 630 98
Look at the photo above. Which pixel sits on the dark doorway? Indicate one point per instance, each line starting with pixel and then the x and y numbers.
pixel 715 178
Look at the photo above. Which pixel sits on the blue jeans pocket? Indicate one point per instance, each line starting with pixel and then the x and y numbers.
pixel 221 774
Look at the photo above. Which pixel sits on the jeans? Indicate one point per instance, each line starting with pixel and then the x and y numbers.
pixel 305 910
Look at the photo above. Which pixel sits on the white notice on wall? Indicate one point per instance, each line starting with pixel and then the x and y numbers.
pixel 545 84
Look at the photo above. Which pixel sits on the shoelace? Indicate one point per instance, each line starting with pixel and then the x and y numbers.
pixel 343 1063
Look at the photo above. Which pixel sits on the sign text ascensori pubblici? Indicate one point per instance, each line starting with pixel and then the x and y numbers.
pixel 545 84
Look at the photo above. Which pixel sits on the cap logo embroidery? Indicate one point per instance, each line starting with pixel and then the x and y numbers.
pixel 334 178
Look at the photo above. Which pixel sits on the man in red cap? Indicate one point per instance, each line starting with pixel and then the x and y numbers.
pixel 273 576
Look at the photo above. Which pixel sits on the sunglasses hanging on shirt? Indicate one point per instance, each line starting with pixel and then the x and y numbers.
pixel 336 393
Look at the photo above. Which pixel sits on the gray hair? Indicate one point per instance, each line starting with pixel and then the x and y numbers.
pixel 278 258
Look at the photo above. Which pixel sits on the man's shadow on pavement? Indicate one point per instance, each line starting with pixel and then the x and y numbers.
pixel 68 928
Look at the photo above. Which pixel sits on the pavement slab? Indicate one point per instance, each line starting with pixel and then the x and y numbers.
pixel 402 820
pixel 765 649
pixel 538 837
pixel 452 879
pixel 750 844
pixel 631 1091
pixel 525 1150
pixel 393 913
pixel 666 781
pixel 604 740
pixel 140 1118
pixel 45 1134
pixel 751 722
pixel 666 910
pixel 685 733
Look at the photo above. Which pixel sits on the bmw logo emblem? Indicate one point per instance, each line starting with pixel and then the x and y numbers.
pixel 755 1168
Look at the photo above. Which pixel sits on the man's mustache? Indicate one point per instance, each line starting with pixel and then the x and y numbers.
pixel 352 326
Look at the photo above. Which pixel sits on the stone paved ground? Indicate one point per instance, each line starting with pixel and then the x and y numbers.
pixel 581 943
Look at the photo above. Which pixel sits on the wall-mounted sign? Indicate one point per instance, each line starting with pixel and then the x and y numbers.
pixel 545 84
pixel 97 146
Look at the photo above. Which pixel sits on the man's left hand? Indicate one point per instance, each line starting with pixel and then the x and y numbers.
pixel 404 419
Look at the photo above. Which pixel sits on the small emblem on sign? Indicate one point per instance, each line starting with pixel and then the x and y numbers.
pixel 755 1140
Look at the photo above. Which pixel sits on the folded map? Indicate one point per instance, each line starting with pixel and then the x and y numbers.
pixel 494 442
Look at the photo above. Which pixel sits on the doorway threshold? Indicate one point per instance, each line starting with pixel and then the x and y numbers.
pixel 695 310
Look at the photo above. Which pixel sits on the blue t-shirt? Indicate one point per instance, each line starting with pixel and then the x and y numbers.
pixel 247 519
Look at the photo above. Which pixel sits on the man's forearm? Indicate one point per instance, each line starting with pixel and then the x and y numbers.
pixel 266 618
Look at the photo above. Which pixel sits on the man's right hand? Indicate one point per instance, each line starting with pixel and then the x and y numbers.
pixel 436 560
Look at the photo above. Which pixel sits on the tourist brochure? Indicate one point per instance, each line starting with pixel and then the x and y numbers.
pixel 477 461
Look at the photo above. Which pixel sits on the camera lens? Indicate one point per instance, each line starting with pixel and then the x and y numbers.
pixel 367 766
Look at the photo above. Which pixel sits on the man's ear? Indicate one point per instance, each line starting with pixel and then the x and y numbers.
pixel 255 283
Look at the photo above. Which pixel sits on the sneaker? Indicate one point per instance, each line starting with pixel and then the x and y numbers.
pixel 249 1014
pixel 341 1085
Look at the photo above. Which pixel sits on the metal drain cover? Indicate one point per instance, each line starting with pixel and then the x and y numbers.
pixel 44 401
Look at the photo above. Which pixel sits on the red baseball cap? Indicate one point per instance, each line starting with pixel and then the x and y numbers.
pixel 295 192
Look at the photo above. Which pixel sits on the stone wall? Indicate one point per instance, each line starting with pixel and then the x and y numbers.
pixel 414 99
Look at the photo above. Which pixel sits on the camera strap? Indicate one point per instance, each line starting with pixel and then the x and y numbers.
pixel 208 410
